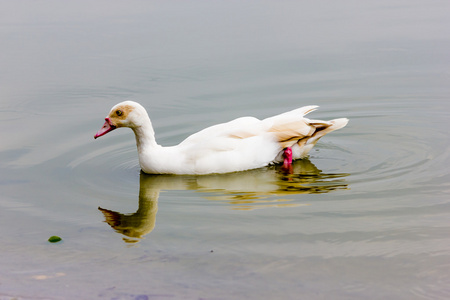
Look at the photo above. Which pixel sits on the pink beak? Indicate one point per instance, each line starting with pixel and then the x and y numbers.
pixel 107 127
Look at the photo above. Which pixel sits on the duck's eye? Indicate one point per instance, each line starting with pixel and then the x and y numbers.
pixel 119 112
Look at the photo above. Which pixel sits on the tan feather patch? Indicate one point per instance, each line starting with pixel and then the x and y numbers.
pixel 121 112
pixel 288 134
pixel 241 135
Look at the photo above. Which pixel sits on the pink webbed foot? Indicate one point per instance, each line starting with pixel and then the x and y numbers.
pixel 287 163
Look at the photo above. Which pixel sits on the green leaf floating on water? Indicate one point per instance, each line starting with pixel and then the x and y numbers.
pixel 54 239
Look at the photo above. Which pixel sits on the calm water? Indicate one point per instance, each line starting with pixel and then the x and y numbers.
pixel 365 217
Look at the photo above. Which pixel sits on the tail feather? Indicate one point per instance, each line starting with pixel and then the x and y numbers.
pixel 304 145
pixel 322 130
pixel 339 123
pixel 292 127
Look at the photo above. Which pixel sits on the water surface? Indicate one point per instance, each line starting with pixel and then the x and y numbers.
pixel 365 216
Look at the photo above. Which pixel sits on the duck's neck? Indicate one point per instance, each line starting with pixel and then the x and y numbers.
pixel 145 136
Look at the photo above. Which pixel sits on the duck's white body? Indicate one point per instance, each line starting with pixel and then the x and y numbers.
pixel 242 144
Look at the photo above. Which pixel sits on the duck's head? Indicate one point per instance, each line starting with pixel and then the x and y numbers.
pixel 125 114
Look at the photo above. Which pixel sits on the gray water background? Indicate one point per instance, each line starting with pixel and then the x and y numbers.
pixel 365 217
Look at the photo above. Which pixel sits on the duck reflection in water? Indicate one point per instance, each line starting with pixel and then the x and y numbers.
pixel 255 189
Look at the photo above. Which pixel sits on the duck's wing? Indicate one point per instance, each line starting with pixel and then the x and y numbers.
pixel 236 129
pixel 238 145
pixel 284 126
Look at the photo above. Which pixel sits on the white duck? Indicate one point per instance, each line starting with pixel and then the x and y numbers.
pixel 242 144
